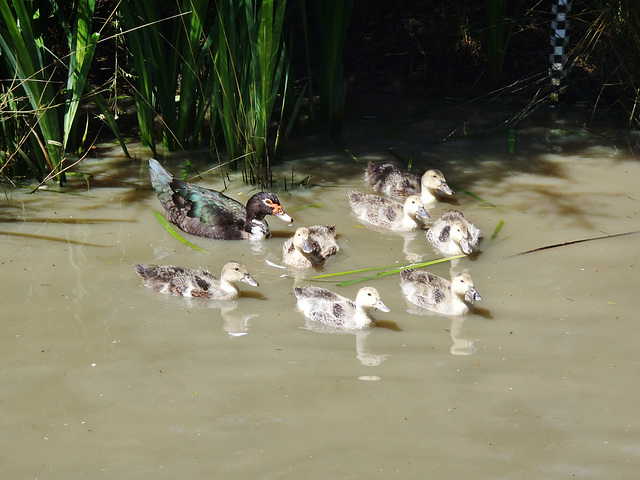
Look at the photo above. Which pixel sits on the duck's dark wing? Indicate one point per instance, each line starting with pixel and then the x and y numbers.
pixel 197 210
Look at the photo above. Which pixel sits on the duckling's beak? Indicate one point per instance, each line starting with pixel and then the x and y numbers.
pixel 466 248
pixel 381 306
pixel 444 188
pixel 279 212
pixel 472 295
pixel 249 280
pixel 307 248
pixel 422 213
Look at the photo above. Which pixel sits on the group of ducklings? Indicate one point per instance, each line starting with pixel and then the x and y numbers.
pixel 209 213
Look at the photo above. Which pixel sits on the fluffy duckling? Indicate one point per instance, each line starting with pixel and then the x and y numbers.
pixel 389 213
pixel 435 293
pixel 452 234
pixel 329 308
pixel 391 180
pixel 310 247
pixel 209 213
pixel 196 283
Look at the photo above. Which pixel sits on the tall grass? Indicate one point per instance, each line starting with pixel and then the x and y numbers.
pixel 228 65
pixel 251 63
pixel 40 102
pixel 168 69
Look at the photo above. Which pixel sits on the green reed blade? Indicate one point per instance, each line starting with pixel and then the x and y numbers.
pixel 295 209
pixel 497 230
pixel 172 231
pixel 398 270
pixel 395 268
pixel 350 153
pixel 350 272
pixel 474 196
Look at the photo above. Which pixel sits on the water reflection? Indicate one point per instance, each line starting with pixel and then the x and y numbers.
pixel 461 344
pixel 364 354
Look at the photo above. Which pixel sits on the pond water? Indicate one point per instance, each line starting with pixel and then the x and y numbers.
pixel 103 378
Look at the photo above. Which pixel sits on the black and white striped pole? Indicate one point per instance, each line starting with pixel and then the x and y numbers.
pixel 559 45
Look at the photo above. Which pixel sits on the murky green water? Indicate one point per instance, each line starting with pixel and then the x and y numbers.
pixel 103 378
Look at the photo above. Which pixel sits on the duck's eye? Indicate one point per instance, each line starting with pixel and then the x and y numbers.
pixel 268 202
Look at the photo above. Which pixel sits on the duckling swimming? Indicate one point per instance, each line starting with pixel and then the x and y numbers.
pixel 437 294
pixel 209 213
pixel 196 283
pixel 392 181
pixel 452 234
pixel 329 308
pixel 310 247
pixel 388 213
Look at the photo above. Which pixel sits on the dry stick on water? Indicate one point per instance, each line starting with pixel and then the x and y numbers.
pixel 556 245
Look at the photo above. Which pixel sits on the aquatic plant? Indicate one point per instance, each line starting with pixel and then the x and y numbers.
pixel 40 104
pixel 251 65
pixel 169 73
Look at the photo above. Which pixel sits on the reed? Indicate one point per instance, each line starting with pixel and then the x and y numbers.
pixel 251 64
pixel 169 73
pixel 40 104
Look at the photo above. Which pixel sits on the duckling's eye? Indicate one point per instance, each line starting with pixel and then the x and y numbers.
pixel 369 293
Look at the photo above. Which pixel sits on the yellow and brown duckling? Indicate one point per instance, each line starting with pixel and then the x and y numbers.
pixel 453 234
pixel 209 213
pixel 328 308
pixel 310 247
pixel 388 213
pixel 196 283
pixel 395 182
pixel 437 294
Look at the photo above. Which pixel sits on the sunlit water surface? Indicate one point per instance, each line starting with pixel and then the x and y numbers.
pixel 103 378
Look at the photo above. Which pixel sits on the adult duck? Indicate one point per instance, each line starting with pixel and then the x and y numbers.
pixel 395 182
pixel 209 213
pixel 453 234
pixel 388 213
pixel 310 247
pixel 196 283
pixel 327 307
pixel 437 294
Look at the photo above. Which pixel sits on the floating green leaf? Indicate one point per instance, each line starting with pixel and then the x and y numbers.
pixel 172 231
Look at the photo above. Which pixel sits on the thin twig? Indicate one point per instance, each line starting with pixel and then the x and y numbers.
pixel 556 245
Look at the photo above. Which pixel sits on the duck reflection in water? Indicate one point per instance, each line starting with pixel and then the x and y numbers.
pixel 328 312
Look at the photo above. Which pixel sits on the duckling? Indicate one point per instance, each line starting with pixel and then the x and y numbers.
pixel 391 180
pixel 196 283
pixel 209 213
pixel 389 213
pixel 435 293
pixel 329 308
pixel 310 247
pixel 452 234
